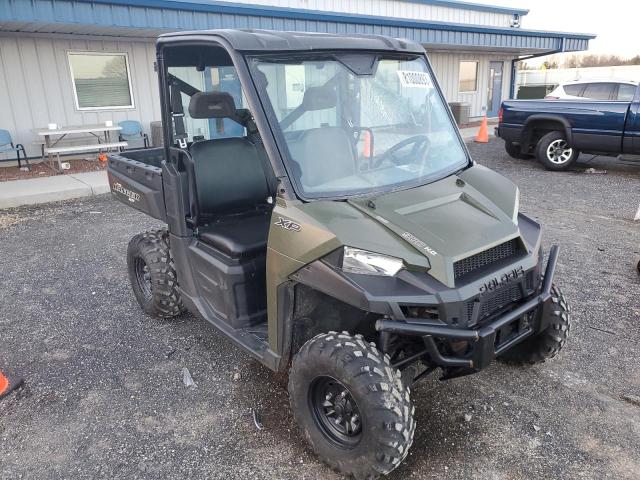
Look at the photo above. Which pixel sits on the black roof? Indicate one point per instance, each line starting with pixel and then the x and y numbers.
pixel 272 40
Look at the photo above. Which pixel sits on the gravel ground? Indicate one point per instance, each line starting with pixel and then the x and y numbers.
pixel 104 396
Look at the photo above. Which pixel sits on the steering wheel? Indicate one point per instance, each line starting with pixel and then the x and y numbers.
pixel 420 145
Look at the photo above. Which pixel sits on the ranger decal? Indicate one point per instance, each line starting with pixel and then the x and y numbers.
pixel 130 194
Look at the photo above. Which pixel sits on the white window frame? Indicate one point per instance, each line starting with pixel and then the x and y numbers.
pixel 477 72
pixel 73 82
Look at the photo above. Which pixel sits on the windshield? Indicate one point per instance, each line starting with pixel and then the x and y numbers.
pixel 351 134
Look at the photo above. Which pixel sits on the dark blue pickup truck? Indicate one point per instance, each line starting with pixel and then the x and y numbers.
pixel 557 131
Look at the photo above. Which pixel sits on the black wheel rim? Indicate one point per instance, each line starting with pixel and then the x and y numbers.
pixel 143 277
pixel 335 412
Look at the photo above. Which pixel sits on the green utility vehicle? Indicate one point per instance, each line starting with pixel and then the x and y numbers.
pixel 323 213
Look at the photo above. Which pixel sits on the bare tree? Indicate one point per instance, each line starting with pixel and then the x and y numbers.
pixel 115 68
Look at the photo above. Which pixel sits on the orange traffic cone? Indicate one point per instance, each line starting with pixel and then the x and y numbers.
pixel 8 383
pixel 366 148
pixel 483 133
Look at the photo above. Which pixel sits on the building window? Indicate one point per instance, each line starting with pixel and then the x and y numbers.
pixel 101 81
pixel 468 80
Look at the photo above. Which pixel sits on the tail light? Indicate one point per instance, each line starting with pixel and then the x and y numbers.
pixel 500 114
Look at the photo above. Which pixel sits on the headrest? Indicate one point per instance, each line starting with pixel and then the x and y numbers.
pixel 319 98
pixel 212 105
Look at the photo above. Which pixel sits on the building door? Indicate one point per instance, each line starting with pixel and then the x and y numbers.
pixel 495 88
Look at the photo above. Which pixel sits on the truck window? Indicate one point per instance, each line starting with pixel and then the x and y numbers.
pixel 574 89
pixel 599 91
pixel 626 92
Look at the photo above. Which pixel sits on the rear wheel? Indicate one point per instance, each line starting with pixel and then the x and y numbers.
pixel 555 153
pixel 153 275
pixel 351 405
pixel 548 343
pixel 513 151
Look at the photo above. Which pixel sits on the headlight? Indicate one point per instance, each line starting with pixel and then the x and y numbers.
pixel 361 261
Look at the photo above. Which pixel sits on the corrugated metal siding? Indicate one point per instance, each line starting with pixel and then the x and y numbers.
pixel 396 9
pixel 446 67
pixel 431 37
pixel 73 16
pixel 36 89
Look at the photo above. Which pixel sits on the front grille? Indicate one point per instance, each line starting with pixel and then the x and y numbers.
pixel 496 301
pixel 463 267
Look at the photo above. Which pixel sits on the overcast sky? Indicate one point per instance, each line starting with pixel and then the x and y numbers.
pixel 614 21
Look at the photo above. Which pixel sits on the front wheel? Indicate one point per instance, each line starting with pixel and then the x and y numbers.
pixel 548 343
pixel 555 153
pixel 153 275
pixel 351 405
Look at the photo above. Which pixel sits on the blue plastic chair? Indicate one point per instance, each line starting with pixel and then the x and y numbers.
pixel 132 130
pixel 7 146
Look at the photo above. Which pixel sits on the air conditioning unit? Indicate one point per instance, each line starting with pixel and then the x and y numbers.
pixel 156 134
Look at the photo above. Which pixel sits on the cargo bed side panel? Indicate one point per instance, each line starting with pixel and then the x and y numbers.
pixel 138 184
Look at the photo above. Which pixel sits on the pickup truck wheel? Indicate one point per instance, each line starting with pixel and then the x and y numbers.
pixel 153 275
pixel 548 343
pixel 513 151
pixel 554 152
pixel 351 405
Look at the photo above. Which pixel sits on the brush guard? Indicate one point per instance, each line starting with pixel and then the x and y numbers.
pixel 488 341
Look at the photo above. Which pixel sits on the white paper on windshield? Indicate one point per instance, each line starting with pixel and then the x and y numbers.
pixel 415 79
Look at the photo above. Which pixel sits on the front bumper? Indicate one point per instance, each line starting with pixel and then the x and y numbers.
pixel 487 341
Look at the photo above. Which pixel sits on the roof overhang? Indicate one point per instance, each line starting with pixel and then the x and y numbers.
pixel 475 7
pixel 150 18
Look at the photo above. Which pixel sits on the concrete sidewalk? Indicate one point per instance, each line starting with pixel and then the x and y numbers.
pixel 52 189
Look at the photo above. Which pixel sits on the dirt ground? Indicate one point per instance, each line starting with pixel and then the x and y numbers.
pixel 42 169
pixel 104 394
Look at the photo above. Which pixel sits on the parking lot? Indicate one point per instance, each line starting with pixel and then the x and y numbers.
pixel 104 395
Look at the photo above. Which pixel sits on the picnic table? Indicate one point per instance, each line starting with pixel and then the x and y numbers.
pixel 100 132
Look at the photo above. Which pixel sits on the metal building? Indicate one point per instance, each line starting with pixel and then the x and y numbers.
pixel 48 46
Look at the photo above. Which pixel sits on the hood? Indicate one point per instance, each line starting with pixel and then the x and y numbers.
pixel 431 226
pixel 451 219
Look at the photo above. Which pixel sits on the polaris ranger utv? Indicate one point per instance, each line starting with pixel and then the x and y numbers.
pixel 323 213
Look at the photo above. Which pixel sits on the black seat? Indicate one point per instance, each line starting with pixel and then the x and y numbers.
pixel 233 182
pixel 232 193
pixel 230 176
pixel 238 237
